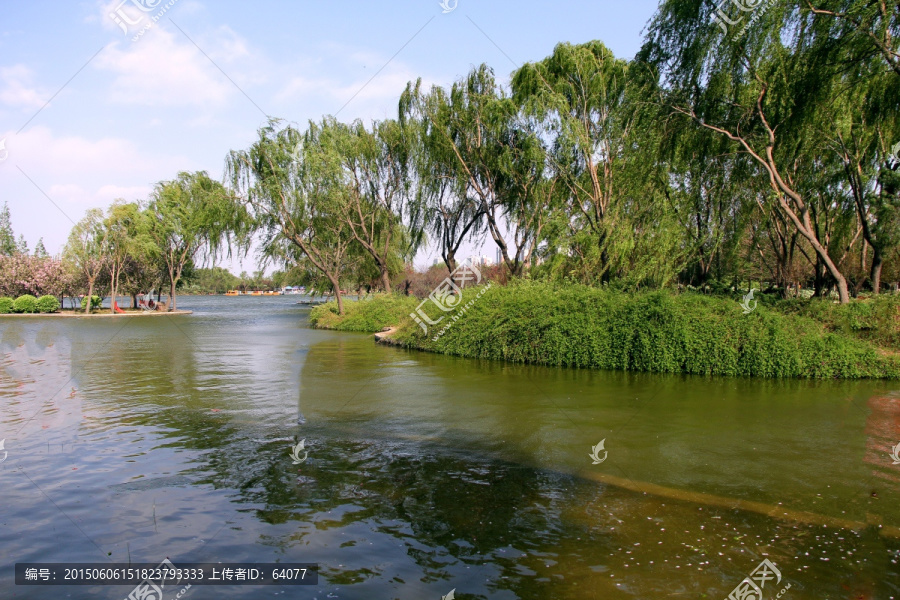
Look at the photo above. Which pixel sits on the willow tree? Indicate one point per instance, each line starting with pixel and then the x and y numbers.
pixel 126 243
pixel 852 45
pixel 377 180
pixel 577 93
pixel 866 29
pixel 292 188
pixel 190 215
pixel 452 215
pixel 500 159
pixel 85 249
pixel 742 84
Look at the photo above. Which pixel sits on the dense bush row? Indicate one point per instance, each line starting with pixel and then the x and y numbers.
pixel 579 326
pixel 29 304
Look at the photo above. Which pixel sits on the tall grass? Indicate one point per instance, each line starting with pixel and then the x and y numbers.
pixel 579 326
pixel 369 314
pixel 875 319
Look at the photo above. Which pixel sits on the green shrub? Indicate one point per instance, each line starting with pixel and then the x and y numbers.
pixel 95 302
pixel 6 306
pixel 578 326
pixel 47 304
pixel 875 319
pixel 368 315
pixel 25 304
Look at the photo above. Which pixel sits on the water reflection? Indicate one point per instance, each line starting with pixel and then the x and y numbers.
pixel 171 437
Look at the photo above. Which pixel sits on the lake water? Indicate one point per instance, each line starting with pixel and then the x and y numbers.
pixel 140 439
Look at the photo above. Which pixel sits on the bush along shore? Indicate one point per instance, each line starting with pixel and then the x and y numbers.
pixel 662 332
pixel 28 304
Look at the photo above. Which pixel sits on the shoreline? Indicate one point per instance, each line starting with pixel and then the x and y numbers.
pixel 654 332
pixel 69 314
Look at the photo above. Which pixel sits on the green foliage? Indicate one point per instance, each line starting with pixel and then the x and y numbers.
pixel 95 302
pixel 6 306
pixel 25 304
pixel 47 304
pixel 7 237
pixel 875 319
pixel 216 280
pixel 190 215
pixel 369 315
pixel 578 326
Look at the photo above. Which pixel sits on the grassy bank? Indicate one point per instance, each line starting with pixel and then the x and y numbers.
pixel 368 315
pixel 661 332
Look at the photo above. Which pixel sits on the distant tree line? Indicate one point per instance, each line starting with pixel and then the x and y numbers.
pixel 131 248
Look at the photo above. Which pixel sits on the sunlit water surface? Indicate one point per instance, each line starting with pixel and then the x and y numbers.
pixel 145 438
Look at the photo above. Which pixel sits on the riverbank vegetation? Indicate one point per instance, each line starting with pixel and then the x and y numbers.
pixel 656 331
pixel 369 314
pixel 29 304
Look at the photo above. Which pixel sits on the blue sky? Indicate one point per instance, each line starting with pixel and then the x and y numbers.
pixel 125 114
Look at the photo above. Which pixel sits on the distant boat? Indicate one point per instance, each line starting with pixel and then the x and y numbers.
pixel 233 293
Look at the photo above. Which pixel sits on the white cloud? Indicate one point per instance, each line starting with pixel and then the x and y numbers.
pixel 90 172
pixel 365 94
pixel 160 71
pixel 162 67
pixel 17 89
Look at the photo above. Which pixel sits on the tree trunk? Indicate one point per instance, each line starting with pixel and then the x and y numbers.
pixel 337 293
pixel 112 292
pixel 875 273
pixel 385 281
pixel 172 297
pixel 819 281
pixel 87 309
pixel 450 261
